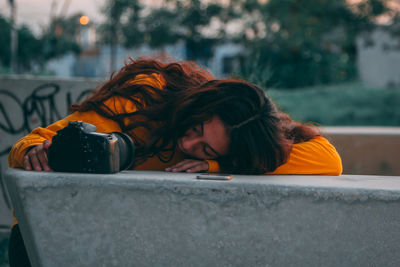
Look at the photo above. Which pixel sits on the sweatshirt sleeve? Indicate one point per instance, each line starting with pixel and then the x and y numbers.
pixel 213 166
pixel 39 135
pixel 116 104
pixel 316 156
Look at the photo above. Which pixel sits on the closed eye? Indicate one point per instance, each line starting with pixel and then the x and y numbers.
pixel 206 152
pixel 198 129
pixel 210 152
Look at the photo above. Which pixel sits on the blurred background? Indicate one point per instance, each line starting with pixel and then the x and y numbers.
pixel 332 62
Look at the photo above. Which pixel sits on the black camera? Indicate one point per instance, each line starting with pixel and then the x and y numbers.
pixel 79 148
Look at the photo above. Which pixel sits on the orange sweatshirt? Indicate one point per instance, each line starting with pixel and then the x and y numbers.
pixel 316 156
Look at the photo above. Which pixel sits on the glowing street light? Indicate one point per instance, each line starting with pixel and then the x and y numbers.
pixel 84 20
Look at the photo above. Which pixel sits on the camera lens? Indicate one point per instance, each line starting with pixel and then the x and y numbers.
pixel 79 148
pixel 126 150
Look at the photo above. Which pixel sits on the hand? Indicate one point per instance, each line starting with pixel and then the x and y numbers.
pixel 189 165
pixel 36 158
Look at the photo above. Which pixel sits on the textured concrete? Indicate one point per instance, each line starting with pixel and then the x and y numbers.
pixel 138 218
pixel 367 150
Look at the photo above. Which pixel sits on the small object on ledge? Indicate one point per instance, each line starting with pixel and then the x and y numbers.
pixel 215 176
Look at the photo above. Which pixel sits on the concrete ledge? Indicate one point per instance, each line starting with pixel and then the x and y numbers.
pixel 139 218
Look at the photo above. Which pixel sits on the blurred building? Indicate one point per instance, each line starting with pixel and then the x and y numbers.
pixel 377 62
pixel 95 60
pixel 226 59
pixel 87 37
pixel 379 58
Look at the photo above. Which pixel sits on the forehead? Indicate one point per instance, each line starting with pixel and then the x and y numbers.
pixel 215 135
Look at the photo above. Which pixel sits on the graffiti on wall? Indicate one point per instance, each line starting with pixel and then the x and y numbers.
pixel 38 109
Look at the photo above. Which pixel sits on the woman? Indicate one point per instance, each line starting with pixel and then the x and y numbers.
pixel 182 119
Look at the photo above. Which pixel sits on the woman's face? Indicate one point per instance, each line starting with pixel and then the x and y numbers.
pixel 208 140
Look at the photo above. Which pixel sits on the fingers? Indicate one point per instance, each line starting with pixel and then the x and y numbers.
pixel 189 165
pixel 36 158
pixel 27 163
pixel 178 167
pixel 33 157
pixel 199 168
pixel 43 160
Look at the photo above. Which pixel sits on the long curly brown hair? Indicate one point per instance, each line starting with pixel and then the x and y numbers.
pixel 260 135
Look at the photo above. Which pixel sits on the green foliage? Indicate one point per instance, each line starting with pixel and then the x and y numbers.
pixel 35 51
pixel 133 24
pixel 289 68
pixel 5 51
pixel 289 43
pixel 61 37
pixel 343 105
pixel 28 51
pixel 156 29
pixel 122 23
pixel 309 42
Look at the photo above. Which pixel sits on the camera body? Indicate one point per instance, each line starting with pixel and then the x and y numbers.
pixel 79 148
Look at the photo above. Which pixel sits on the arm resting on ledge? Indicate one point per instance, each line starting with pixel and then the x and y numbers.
pixel 316 156
pixel 118 105
pixel 38 135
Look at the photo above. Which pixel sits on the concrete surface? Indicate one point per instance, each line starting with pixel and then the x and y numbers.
pixel 139 218
pixel 367 150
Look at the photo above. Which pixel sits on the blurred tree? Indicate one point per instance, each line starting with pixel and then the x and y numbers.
pixel 131 24
pixel 61 37
pixel 192 20
pixel 29 53
pixel 29 50
pixel 306 42
pixel 119 13
pixel 14 37
pixel 5 51
pixel 289 43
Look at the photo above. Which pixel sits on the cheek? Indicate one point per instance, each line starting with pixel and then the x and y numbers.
pixel 198 153
pixel 224 146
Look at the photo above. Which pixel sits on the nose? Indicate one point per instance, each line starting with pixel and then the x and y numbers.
pixel 189 143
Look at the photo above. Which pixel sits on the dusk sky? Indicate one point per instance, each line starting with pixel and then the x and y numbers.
pixel 36 13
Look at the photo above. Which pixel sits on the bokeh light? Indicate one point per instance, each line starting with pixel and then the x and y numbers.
pixel 84 20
